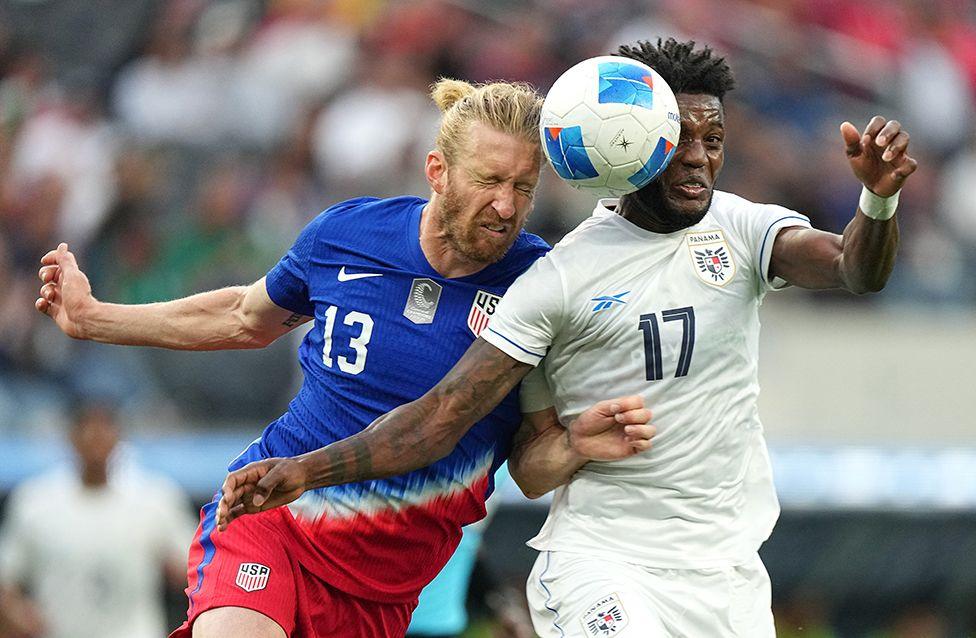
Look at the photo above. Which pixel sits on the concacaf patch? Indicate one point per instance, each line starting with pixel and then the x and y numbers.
pixel 605 618
pixel 252 576
pixel 482 308
pixel 711 257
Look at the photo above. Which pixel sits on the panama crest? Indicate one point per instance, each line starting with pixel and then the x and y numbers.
pixel 605 618
pixel 711 257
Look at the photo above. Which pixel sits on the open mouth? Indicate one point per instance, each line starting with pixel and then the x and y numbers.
pixel 691 189
pixel 495 230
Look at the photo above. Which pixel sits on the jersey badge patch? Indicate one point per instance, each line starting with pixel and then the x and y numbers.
pixel 482 309
pixel 711 257
pixel 605 618
pixel 253 576
pixel 606 301
pixel 422 301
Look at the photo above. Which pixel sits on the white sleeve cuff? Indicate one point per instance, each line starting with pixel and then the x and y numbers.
pixel 511 347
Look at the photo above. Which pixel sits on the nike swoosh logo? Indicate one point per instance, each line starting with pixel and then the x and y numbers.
pixel 344 276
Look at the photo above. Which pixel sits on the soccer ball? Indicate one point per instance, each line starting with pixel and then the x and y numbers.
pixel 610 125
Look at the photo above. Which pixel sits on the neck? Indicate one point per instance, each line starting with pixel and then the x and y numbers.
pixel 94 476
pixel 651 215
pixel 439 251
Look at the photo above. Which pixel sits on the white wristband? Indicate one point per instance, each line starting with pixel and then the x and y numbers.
pixel 876 207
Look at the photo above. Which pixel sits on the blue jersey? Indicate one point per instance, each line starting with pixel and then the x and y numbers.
pixel 387 328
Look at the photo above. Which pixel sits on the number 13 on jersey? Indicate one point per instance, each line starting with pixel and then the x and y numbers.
pixel 652 341
pixel 358 363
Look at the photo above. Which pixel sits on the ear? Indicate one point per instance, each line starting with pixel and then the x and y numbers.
pixel 436 171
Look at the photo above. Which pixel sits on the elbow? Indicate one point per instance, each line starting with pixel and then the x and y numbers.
pixel 530 491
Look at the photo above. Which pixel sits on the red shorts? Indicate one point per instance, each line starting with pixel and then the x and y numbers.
pixel 250 565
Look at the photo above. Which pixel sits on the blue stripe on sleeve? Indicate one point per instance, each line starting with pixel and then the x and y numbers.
pixel 515 344
pixel 762 247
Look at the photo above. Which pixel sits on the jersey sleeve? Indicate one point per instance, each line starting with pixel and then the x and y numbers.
pixel 534 394
pixel 758 227
pixel 528 316
pixel 287 282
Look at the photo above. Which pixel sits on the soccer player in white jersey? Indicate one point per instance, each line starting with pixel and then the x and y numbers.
pixel 656 295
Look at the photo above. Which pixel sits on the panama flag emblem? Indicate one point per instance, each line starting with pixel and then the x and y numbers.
pixel 482 309
pixel 711 257
pixel 253 576
pixel 605 618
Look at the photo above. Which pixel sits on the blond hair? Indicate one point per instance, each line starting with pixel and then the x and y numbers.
pixel 509 107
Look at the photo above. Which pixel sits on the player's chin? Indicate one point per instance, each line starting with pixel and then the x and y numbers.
pixel 690 207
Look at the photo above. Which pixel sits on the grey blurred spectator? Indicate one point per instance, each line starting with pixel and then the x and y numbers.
pixel 170 94
pixel 934 94
pixel 296 57
pixel 85 550
pixel 384 120
pixel 69 141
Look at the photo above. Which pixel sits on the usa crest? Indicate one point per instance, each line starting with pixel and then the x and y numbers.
pixel 605 618
pixel 711 257
pixel 482 309
pixel 252 576
pixel 422 301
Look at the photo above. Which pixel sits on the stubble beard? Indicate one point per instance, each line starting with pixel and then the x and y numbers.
pixel 651 198
pixel 458 234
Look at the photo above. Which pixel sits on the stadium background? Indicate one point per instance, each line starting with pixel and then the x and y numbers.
pixel 180 146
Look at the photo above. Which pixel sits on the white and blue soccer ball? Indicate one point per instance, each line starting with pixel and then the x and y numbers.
pixel 610 125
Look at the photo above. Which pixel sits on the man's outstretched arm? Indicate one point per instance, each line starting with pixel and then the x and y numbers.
pixel 237 317
pixel 546 455
pixel 407 438
pixel 862 258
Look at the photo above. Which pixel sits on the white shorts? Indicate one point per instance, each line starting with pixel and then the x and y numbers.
pixel 576 595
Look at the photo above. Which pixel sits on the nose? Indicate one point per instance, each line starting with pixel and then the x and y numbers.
pixel 504 202
pixel 692 153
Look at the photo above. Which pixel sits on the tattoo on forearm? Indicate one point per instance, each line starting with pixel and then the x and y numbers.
pixel 404 439
pixel 293 320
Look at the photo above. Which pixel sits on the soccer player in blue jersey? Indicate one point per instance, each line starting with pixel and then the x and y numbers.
pixel 398 289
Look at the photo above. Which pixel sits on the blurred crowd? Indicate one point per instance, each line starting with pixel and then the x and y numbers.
pixel 180 145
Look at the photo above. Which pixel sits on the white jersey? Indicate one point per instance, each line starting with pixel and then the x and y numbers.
pixel 93 559
pixel 614 310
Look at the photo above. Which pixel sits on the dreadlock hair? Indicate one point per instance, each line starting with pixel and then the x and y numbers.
pixel 682 67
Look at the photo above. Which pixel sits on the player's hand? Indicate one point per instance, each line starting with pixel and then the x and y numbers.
pixel 879 155
pixel 260 486
pixel 65 293
pixel 612 430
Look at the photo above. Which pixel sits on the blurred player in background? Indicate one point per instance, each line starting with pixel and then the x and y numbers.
pixel 663 543
pixel 84 551
pixel 398 288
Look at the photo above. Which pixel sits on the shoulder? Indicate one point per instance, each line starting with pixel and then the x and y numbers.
pixel 732 208
pixel 354 209
pixel 38 492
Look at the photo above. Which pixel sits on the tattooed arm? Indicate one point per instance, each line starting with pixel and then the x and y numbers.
pixel 412 436
pixel 230 318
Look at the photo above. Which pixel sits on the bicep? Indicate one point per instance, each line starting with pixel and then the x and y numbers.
pixel 263 317
pixel 807 257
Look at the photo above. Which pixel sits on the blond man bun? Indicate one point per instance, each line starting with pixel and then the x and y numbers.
pixel 509 107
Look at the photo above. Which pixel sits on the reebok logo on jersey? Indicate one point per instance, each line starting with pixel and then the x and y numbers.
pixel 606 301
pixel 605 618
pixel 711 257
pixel 344 276
pixel 253 576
